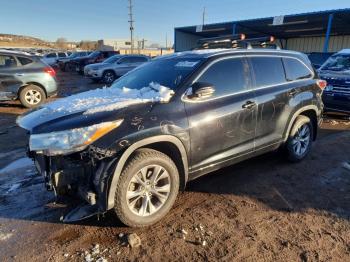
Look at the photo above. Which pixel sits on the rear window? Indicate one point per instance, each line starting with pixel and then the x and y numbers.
pixel 24 60
pixel 295 70
pixel 268 71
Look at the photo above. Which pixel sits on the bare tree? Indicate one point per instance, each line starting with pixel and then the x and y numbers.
pixel 61 42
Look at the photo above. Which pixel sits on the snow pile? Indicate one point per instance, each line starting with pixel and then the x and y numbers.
pixel 108 99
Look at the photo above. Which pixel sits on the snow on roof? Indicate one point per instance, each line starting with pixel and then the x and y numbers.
pixel 108 99
pixel 344 51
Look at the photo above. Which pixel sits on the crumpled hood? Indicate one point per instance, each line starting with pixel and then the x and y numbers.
pixel 91 106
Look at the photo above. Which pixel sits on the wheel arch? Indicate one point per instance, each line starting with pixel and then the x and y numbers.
pixel 310 111
pixel 167 144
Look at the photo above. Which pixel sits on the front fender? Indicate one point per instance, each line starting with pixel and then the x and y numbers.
pixel 127 153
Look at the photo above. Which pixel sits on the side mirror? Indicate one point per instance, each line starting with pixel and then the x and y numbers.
pixel 201 90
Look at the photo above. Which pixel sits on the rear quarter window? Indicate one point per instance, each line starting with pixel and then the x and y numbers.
pixel 295 70
pixel 268 71
pixel 24 60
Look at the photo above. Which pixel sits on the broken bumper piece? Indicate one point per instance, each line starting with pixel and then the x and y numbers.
pixel 80 174
pixel 81 212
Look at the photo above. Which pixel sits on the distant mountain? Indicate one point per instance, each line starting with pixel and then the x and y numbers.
pixel 23 41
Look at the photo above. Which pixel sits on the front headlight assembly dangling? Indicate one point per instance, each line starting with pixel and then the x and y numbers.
pixel 69 141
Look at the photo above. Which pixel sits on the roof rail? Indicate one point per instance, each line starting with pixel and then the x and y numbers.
pixel 237 41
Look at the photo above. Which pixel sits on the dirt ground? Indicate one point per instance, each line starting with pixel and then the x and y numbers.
pixel 264 209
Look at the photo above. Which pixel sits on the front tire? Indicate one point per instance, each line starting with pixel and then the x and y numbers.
pixel 147 188
pixel 32 96
pixel 108 77
pixel 300 139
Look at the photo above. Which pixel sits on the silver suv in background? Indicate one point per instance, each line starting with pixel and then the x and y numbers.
pixel 114 67
pixel 51 58
pixel 26 78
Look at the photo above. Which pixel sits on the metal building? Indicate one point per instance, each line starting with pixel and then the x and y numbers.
pixel 325 31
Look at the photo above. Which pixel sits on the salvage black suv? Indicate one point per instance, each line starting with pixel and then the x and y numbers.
pixel 131 147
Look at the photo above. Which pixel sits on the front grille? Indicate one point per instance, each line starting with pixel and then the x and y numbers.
pixel 341 90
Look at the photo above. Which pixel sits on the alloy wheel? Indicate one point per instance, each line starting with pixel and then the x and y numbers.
pixel 109 78
pixel 148 190
pixel 32 97
pixel 301 140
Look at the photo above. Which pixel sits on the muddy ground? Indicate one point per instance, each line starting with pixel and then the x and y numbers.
pixel 262 209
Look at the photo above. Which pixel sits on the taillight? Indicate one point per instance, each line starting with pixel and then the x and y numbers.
pixel 50 71
pixel 321 84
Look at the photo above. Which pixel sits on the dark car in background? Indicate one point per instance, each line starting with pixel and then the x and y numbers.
pixel 64 63
pixel 336 71
pixel 95 57
pixel 131 147
pixel 26 78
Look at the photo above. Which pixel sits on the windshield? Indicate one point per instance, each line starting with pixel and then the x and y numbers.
pixel 166 72
pixel 112 59
pixel 337 63
pixel 94 54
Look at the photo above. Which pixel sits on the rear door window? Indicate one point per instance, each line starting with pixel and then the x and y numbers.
pixel 295 70
pixel 61 54
pixel 268 71
pixel 228 76
pixel 7 61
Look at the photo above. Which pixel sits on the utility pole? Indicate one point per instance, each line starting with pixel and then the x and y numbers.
pixel 203 16
pixel 166 40
pixel 131 21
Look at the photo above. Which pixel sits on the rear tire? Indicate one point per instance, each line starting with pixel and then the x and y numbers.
pixel 32 96
pixel 147 188
pixel 300 139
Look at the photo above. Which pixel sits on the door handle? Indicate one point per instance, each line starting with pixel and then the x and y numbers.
pixel 293 92
pixel 249 105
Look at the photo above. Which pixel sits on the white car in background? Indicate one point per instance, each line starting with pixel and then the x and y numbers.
pixel 51 58
pixel 114 67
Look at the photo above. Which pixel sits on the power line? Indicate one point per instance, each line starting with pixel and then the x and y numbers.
pixel 131 21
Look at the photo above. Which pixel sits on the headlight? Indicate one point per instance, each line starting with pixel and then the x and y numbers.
pixel 69 141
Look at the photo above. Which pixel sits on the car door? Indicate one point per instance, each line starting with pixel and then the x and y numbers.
pixel 124 65
pixel 9 77
pixel 222 126
pixel 50 58
pixel 273 94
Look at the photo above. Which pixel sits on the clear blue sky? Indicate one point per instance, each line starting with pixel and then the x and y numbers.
pixel 97 19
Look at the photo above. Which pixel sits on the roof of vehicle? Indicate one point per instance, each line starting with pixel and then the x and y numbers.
pixel 344 51
pixel 12 52
pixel 206 53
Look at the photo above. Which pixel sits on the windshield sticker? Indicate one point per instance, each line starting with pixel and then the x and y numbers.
pixel 186 64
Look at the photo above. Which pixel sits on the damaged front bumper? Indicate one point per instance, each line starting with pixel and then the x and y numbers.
pixel 84 174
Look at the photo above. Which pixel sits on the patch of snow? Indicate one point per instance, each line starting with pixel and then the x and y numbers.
pixel 5 236
pixel 13 187
pixel 108 99
pixel 21 163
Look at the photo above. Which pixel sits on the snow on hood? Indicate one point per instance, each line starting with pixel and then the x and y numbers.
pixel 108 99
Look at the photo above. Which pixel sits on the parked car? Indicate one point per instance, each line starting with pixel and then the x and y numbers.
pixel 51 58
pixel 114 67
pixel 131 147
pixel 317 59
pixel 95 57
pixel 26 78
pixel 336 71
pixel 64 63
